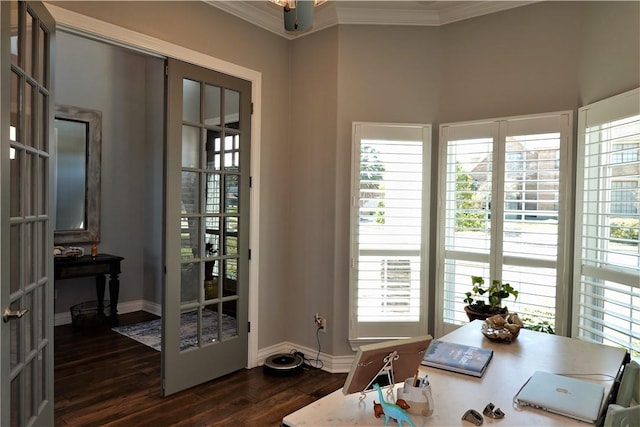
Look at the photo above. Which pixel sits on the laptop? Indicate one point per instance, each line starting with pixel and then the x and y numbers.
pixel 562 395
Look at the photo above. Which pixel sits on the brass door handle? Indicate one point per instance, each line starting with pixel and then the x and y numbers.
pixel 13 314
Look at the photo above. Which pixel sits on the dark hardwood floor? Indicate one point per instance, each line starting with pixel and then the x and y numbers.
pixel 105 379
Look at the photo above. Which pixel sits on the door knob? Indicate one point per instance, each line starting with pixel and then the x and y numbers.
pixel 13 314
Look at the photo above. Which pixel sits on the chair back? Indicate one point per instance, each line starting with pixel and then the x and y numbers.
pixel 626 411
pixel 629 391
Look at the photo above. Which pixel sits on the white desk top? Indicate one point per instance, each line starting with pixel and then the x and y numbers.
pixel 454 393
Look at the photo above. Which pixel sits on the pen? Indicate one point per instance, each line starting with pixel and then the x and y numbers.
pixel 415 379
pixel 424 381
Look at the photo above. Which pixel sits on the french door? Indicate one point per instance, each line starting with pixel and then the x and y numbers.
pixel 206 225
pixel 26 230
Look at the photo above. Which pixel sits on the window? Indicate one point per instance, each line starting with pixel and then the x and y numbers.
pixel 624 152
pixel 389 231
pixel 503 187
pixel 607 267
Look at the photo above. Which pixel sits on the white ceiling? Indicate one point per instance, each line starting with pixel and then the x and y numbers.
pixel 399 12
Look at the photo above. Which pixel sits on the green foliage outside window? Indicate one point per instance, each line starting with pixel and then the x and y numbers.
pixel 469 212
pixel 625 228
pixel 371 173
pixel 540 321
pixel 380 213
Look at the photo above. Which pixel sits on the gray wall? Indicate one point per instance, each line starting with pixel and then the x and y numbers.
pixel 610 60
pixel 521 61
pixel 310 275
pixel 543 57
pixel 527 60
pixel 153 152
pixel 94 75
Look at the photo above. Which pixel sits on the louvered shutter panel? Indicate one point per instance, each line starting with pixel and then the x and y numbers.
pixel 389 230
pixel 608 246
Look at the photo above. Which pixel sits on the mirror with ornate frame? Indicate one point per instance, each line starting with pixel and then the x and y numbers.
pixel 78 134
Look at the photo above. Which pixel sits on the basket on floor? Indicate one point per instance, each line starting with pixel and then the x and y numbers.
pixel 85 316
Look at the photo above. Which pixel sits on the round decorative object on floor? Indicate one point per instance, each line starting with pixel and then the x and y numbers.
pixel 283 364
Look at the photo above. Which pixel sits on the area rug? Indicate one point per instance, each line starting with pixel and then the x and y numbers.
pixel 150 333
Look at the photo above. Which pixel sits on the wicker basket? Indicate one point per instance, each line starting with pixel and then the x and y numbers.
pixel 85 316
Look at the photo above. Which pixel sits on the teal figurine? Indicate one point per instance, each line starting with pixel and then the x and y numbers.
pixel 391 410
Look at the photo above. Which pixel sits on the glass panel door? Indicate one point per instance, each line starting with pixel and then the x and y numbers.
pixel 27 262
pixel 206 299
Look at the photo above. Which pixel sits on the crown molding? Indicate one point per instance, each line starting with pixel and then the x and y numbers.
pixel 466 10
pixel 269 16
pixel 252 13
pixel 369 16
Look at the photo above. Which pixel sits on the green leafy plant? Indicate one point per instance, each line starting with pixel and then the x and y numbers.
pixel 541 326
pixel 539 320
pixel 488 299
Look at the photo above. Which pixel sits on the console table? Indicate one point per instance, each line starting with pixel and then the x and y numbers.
pixel 98 267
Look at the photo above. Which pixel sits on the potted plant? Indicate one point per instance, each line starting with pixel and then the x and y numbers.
pixel 483 302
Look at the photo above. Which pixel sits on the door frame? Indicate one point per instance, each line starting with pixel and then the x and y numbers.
pixel 90 27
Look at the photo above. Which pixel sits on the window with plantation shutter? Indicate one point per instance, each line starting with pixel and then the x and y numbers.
pixel 389 231
pixel 503 214
pixel 607 267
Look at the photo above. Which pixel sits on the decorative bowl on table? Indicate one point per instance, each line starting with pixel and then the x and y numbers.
pixel 502 329
pixel 67 252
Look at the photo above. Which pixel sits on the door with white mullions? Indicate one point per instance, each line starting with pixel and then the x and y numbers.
pixel 26 230
pixel 205 318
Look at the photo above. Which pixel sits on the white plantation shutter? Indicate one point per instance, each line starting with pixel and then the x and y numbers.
pixel 468 182
pixel 389 230
pixel 607 268
pixel 512 170
pixel 531 239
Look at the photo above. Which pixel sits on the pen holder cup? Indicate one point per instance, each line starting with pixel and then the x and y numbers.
pixel 419 399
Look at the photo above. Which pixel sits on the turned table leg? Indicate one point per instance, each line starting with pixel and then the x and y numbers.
pixel 114 291
pixel 100 286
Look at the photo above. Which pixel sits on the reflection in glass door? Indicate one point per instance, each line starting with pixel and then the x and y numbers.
pixel 207 213
pixel 210 217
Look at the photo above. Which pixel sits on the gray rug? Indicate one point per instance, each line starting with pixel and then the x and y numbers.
pixel 150 333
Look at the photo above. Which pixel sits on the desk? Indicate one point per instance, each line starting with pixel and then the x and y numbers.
pixel 99 266
pixel 454 393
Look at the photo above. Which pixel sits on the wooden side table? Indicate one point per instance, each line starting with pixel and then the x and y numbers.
pixel 98 267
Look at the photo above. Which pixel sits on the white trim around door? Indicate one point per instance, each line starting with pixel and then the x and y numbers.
pixel 73 22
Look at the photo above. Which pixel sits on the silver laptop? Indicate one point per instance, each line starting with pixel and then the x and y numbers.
pixel 562 395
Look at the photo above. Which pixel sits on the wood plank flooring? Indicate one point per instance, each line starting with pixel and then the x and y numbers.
pixel 105 379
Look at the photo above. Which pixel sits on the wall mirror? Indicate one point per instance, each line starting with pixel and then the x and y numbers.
pixel 78 134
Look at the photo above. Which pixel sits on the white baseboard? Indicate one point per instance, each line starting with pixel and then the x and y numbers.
pixel 151 307
pixel 329 363
pixel 123 307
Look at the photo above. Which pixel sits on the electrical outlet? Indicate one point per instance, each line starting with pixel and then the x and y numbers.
pixel 321 322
